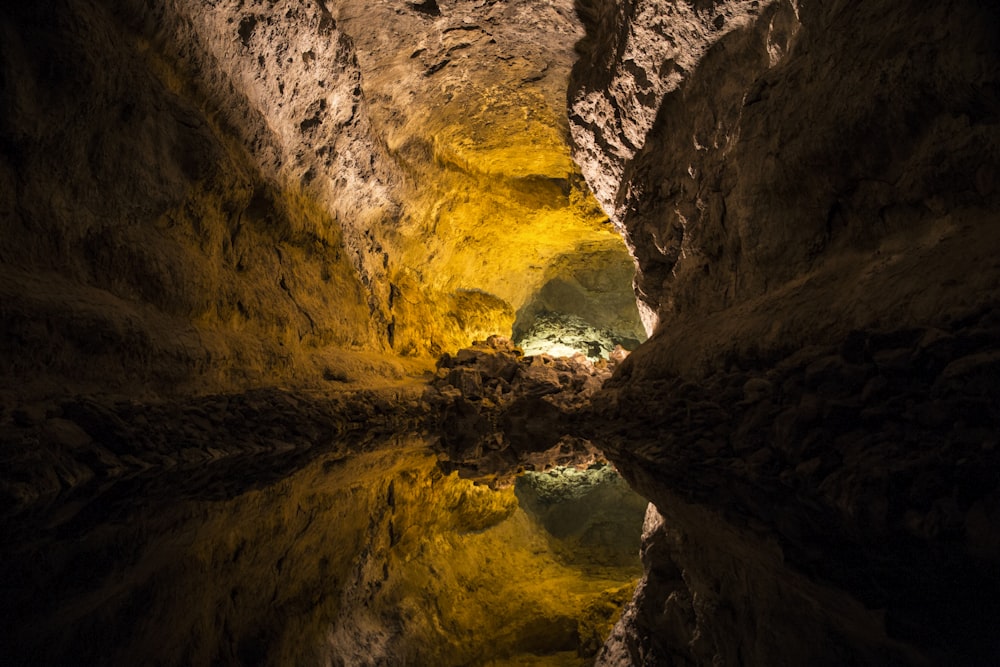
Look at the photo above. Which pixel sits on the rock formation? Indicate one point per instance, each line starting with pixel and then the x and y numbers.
pixel 809 191
pixel 500 413
pixel 203 196
pixel 237 234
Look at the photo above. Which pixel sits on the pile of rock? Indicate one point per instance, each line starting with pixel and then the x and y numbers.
pixel 498 412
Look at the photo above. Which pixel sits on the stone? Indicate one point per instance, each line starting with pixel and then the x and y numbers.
pixel 225 197
pixel 468 381
pixel 756 389
pixel 66 433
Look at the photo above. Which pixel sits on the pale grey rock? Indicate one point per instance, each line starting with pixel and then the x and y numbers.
pixel 287 81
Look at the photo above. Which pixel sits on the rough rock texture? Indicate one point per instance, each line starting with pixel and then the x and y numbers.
pixel 584 289
pixel 499 413
pixel 801 140
pixel 154 233
pixel 809 190
pixel 565 336
pixel 470 97
pixel 287 84
pixel 206 196
pixel 231 231
pixel 850 493
pixel 636 54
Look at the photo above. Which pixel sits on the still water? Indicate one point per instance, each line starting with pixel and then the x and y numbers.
pixel 371 557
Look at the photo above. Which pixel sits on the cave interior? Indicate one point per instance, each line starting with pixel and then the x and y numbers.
pixel 500 332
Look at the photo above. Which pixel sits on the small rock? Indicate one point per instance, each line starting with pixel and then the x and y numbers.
pixel 468 381
pixel 65 432
pixel 823 368
pixel 761 456
pixel 619 354
pixel 756 389
pixel 874 388
pixel 807 468
pixel 894 359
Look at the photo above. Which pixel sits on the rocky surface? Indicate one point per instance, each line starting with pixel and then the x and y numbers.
pixel 471 102
pixel 499 413
pixel 233 233
pixel 81 445
pixel 205 196
pixel 200 199
pixel 809 191
pixel 560 335
pixel 154 237
pixel 798 133
pixel 583 291
pixel 849 491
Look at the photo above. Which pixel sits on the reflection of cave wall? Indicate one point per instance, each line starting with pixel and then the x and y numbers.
pixel 362 554
pixel 593 512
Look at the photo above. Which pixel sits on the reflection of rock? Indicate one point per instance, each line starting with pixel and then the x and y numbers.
pixel 660 614
pixel 593 511
pixel 360 552
pixel 816 488
pixel 268 433
pixel 498 412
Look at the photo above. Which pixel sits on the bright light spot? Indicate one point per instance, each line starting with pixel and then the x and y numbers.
pixel 561 335
pixel 551 349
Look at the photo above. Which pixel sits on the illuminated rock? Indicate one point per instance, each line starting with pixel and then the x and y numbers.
pixel 229 194
pixel 498 412
pixel 560 335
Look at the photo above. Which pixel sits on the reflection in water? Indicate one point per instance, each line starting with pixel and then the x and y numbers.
pixel 373 558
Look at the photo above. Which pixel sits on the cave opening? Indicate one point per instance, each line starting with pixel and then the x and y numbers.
pixel 586 305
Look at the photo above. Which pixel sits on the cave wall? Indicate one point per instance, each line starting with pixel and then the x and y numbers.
pixel 769 145
pixel 809 190
pixel 155 233
pixel 204 195
pixel 201 195
pixel 470 98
